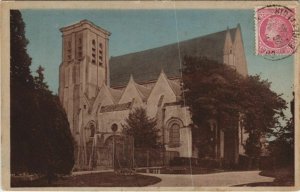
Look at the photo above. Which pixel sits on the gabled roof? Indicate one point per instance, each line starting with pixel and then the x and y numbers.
pixel 116 94
pixel 144 91
pixel 146 65
pixel 175 87
pixel 162 85
pixel 103 93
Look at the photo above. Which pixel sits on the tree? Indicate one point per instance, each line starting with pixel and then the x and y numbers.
pixel 210 91
pixel 262 109
pixel 39 80
pixel 282 148
pixel 53 141
pixel 41 140
pixel 216 91
pixel 20 74
pixel 21 91
pixel 142 128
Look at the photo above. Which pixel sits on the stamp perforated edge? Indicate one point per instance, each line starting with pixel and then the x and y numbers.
pixel 296 35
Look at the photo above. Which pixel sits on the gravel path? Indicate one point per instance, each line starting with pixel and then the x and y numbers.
pixel 224 179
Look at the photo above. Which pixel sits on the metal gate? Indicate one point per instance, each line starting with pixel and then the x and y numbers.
pixel 115 152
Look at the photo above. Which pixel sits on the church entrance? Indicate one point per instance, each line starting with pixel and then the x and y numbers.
pixel 114 152
pixel 122 151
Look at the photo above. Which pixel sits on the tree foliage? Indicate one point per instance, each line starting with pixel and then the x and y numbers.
pixel 282 148
pixel 20 61
pixel 216 91
pixel 142 128
pixel 21 93
pixel 41 140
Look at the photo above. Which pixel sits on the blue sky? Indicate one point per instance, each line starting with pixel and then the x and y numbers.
pixel 136 30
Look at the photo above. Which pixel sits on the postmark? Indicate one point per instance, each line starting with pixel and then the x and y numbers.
pixel 275 30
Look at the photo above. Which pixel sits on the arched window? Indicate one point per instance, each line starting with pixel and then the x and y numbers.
pixel 160 101
pixel 174 135
pixel 92 129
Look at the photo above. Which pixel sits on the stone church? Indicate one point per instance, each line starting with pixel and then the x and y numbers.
pixel 98 92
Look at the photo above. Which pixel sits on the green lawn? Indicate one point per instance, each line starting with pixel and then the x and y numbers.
pixel 106 179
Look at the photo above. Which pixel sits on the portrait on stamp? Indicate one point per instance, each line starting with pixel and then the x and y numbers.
pixel 276 30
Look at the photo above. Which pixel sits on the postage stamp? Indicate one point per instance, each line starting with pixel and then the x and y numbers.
pixel 275 30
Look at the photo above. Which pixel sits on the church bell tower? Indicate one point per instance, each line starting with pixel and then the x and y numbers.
pixel 84 67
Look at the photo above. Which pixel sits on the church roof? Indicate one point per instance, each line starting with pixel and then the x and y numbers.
pixel 146 65
pixel 144 91
pixel 116 107
pixel 116 94
pixel 175 87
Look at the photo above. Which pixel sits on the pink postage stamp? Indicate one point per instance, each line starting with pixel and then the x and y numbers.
pixel 275 30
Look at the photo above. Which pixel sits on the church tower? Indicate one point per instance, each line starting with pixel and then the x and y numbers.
pixel 84 67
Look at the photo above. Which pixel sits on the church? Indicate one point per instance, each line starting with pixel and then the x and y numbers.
pixel 98 91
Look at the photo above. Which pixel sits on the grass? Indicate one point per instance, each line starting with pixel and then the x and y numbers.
pixel 106 179
pixel 185 170
pixel 283 177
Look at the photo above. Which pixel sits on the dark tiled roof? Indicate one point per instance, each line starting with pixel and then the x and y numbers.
pixel 116 107
pixel 147 65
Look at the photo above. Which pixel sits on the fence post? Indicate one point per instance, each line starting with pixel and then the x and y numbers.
pixel 113 152
pixel 132 152
pixel 148 158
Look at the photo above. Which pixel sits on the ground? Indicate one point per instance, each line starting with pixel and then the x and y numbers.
pixel 110 179
pixel 102 179
pixel 224 179
pixel 183 170
pixel 283 177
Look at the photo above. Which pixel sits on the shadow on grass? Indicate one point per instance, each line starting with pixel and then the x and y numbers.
pixel 106 179
pixel 182 170
pixel 283 177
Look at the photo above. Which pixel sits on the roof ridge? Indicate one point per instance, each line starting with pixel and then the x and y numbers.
pixel 146 65
pixel 115 93
pixel 170 83
pixel 143 89
pixel 131 80
pixel 174 86
pixel 104 86
pixel 170 44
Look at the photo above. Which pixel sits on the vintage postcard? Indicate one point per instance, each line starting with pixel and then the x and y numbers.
pixel 154 95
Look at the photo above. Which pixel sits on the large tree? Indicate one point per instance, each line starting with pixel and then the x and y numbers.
pixel 216 91
pixel 282 148
pixel 21 91
pixel 52 139
pixel 142 128
pixel 41 140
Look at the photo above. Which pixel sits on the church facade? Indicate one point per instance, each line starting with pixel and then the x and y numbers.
pixel 98 92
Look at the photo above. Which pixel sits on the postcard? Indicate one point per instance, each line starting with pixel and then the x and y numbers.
pixel 150 95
